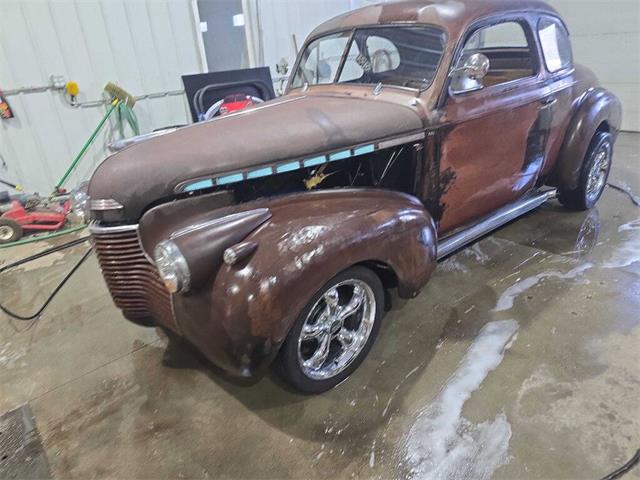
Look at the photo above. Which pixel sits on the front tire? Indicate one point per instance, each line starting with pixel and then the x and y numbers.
pixel 334 332
pixel 593 176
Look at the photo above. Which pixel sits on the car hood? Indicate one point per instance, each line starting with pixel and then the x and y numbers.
pixel 291 127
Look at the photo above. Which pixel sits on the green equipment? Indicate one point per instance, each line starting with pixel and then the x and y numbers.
pixel 122 103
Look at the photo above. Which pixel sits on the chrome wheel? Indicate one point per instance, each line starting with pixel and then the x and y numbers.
pixel 336 329
pixel 6 232
pixel 597 177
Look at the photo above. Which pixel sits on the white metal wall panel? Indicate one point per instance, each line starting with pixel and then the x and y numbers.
pixel 606 38
pixel 143 45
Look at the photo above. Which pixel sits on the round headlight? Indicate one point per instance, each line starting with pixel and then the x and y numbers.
pixel 80 202
pixel 172 267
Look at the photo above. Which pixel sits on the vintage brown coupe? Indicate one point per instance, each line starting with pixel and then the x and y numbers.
pixel 408 130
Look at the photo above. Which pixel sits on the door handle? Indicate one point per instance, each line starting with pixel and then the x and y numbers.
pixel 547 102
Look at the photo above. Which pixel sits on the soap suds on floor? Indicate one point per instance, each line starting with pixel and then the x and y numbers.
pixel 628 252
pixel 505 302
pixel 476 252
pixel 11 358
pixel 452 265
pixel 441 443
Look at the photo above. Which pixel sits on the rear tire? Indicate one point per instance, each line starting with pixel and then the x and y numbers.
pixel 334 332
pixel 593 176
pixel 10 231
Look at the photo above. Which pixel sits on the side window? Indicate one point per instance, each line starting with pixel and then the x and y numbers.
pixel 556 47
pixel 354 66
pixel 321 60
pixel 508 51
pixel 503 35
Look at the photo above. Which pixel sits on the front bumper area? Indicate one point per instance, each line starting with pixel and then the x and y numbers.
pixel 137 289
pixel 133 281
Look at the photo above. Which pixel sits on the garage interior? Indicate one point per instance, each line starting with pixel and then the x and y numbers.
pixel 519 359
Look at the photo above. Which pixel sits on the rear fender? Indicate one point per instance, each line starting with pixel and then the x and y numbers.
pixel 596 106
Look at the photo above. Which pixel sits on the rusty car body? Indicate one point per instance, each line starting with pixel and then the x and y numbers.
pixel 407 130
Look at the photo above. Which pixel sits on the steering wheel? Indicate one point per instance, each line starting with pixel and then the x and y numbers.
pixel 381 61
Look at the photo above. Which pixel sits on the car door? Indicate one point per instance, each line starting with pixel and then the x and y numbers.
pixel 557 59
pixel 492 144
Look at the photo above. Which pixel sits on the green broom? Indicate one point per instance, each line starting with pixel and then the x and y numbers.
pixel 119 98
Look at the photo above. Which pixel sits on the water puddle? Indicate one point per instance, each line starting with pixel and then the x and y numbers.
pixel 505 302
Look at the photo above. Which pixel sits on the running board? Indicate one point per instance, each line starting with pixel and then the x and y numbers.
pixel 506 214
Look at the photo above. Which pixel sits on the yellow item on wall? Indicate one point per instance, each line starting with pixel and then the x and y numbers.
pixel 72 88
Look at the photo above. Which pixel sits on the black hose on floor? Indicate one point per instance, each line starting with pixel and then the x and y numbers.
pixel 44 253
pixel 625 468
pixel 634 200
pixel 58 287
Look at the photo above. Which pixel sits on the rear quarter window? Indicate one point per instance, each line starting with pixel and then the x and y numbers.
pixel 555 43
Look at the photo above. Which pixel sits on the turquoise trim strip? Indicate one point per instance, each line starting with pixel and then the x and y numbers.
pixel 263 172
pixel 288 167
pixel 201 185
pixel 312 162
pixel 235 177
pixel 340 155
pixel 364 149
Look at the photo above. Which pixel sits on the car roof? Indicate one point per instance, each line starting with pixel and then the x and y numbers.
pixel 452 15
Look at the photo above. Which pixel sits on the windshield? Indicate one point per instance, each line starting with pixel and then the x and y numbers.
pixel 400 56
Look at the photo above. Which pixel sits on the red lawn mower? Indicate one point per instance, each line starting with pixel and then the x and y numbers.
pixel 23 214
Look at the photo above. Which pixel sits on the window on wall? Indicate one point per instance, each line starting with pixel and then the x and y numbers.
pixel 556 47
pixel 508 49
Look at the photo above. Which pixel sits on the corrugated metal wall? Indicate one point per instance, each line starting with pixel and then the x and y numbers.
pixel 142 45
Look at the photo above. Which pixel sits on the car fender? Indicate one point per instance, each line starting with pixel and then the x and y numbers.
pixel 594 108
pixel 246 310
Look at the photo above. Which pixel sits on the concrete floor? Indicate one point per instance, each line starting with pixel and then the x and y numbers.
pixel 521 359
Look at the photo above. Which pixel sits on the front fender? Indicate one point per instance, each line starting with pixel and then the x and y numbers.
pixel 243 315
pixel 596 106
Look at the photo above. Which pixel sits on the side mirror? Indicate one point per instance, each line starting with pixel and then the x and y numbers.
pixel 468 76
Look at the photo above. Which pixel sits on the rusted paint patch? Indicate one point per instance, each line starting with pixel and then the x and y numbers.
pixel 398 13
pixel 438 182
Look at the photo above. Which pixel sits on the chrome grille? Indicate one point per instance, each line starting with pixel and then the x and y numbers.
pixel 134 283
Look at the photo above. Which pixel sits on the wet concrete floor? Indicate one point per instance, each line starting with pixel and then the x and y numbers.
pixel 521 359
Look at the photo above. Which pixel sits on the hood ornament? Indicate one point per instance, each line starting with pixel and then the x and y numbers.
pixel 377 90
